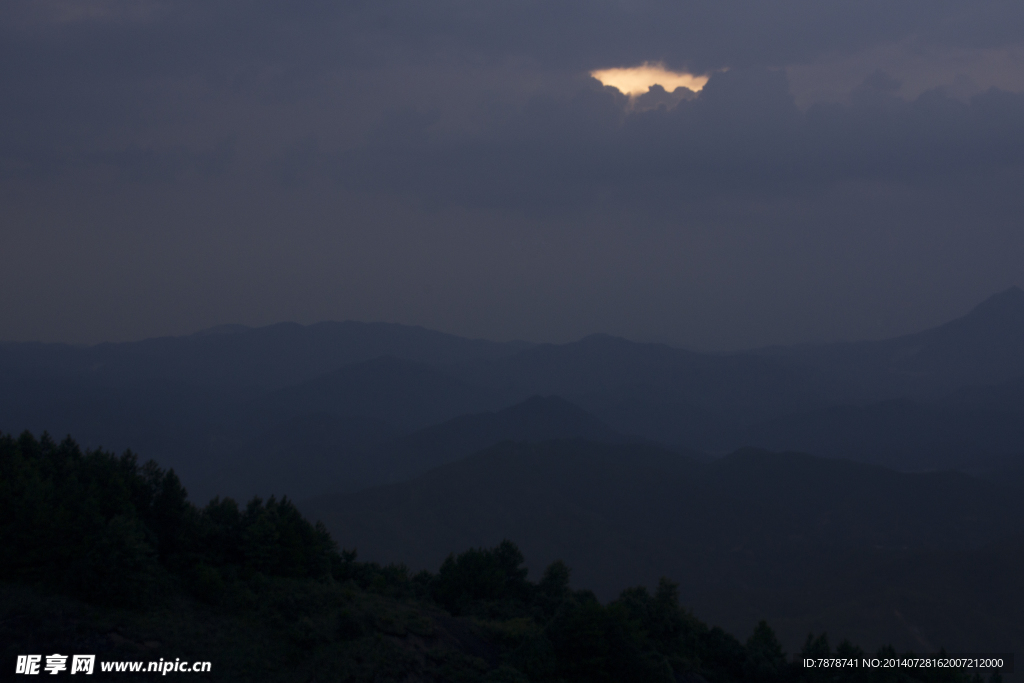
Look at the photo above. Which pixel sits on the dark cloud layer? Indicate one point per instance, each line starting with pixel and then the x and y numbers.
pixel 171 165
pixel 743 133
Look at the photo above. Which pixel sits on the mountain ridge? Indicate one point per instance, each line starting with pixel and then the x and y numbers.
pixel 191 401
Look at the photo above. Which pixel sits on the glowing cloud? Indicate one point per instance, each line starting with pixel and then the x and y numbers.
pixel 638 79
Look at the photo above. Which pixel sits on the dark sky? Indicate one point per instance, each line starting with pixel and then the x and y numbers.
pixel 850 170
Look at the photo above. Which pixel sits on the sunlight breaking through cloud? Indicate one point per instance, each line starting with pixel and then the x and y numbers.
pixel 634 81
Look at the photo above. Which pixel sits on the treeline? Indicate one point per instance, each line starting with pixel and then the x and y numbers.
pixel 111 531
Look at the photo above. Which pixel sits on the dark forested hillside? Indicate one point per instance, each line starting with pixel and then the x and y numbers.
pixel 799 539
pixel 106 556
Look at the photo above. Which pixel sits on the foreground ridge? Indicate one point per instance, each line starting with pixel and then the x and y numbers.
pixel 103 555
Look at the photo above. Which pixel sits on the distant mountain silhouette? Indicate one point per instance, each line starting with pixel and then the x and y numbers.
pixel 601 364
pixel 317 453
pixel 986 346
pixel 222 329
pixel 713 401
pixel 795 539
pixel 307 455
pixel 653 390
pixel 902 434
pixel 246 358
pixel 919 401
pixel 539 418
pixel 404 393
pixel 192 401
pixel 1005 397
pixel 168 419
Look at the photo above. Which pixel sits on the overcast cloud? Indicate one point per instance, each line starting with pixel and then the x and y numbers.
pixel 850 170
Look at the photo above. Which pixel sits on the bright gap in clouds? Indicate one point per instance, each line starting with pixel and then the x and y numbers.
pixel 637 80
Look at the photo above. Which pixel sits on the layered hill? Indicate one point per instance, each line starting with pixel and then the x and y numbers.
pixel 223 405
pixel 986 346
pixel 194 401
pixel 239 357
pixel 905 434
pixel 320 453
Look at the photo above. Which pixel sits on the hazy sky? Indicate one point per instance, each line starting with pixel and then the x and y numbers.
pixel 849 170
